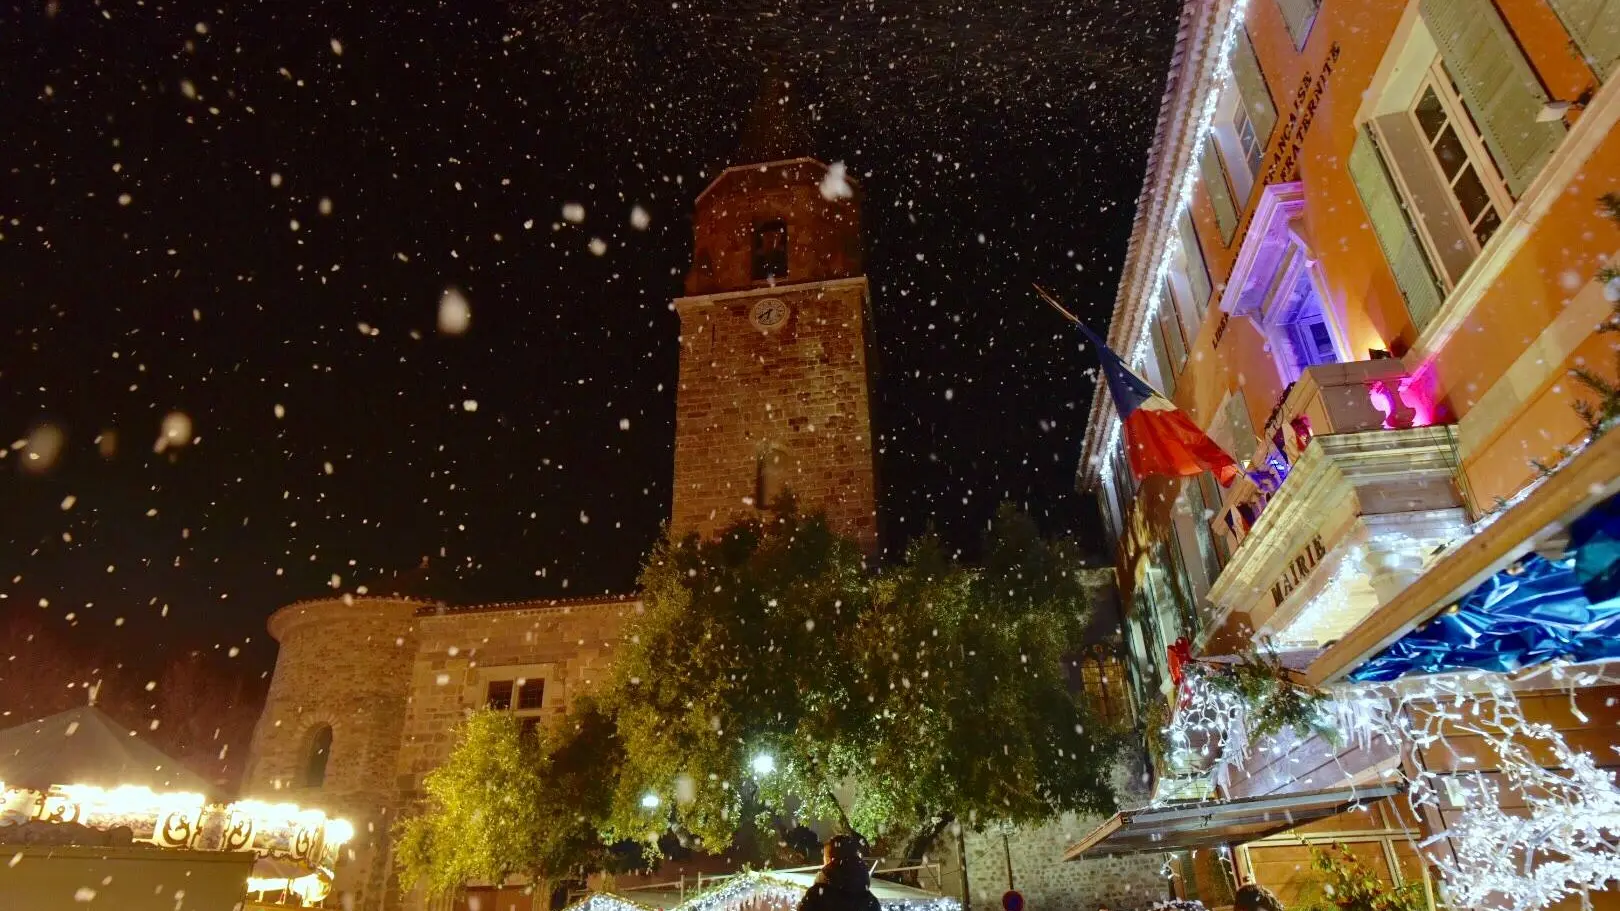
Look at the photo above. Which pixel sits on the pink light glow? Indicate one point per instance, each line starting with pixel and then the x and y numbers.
pixel 1410 404
pixel 1384 400
pixel 1418 394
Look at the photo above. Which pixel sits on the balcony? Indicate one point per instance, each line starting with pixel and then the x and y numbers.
pixel 1350 490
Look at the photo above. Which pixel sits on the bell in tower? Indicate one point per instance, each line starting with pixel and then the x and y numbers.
pixel 774 393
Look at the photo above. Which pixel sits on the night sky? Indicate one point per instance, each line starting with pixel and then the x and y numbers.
pixel 248 216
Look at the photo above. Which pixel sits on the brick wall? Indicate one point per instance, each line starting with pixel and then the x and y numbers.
pixel 797 392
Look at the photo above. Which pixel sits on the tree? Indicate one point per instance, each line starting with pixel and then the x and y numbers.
pixel 770 679
pixel 931 693
pixel 973 719
pixel 1601 415
pixel 742 651
pixel 503 804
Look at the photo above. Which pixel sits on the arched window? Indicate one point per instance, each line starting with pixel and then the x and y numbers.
pixel 320 750
pixel 770 478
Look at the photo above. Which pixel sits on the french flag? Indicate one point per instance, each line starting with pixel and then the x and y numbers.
pixel 1159 437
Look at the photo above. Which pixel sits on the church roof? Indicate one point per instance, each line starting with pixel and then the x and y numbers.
pixel 86 746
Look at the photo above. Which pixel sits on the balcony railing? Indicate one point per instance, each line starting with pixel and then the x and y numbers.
pixel 1347 493
pixel 1327 399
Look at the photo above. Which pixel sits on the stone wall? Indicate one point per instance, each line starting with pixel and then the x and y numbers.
pixel 1043 877
pixel 796 393
pixel 343 662
pixel 568 645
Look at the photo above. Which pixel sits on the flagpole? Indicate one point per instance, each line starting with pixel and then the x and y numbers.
pixel 1047 296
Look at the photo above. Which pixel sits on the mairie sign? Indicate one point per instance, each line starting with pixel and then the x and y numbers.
pixel 1298 570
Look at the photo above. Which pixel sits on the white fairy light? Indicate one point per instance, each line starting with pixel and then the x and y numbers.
pixel 1558 838
pixel 756 890
pixel 1137 351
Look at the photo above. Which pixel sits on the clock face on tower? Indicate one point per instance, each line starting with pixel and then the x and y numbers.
pixel 769 313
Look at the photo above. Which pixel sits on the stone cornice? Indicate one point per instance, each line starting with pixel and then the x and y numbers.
pixel 695 301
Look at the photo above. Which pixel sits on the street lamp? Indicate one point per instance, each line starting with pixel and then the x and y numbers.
pixel 764 764
pixel 650 801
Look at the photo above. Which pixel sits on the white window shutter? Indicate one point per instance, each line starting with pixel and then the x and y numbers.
pixel 1394 230
pixel 1252 87
pixel 1300 15
pixel 1220 193
pixel 1197 271
pixel 1498 86
pixel 1595 27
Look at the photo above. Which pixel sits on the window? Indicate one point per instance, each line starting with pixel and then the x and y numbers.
pixel 1295 322
pixel 1232 429
pixel 1174 337
pixel 1162 375
pixel 1123 479
pixel 770 477
pixel 1210 495
pixel 1102 683
pixel 498 696
pixel 1243 121
pixel 1190 264
pixel 1458 152
pixel 1213 173
pixel 523 694
pixel 1453 134
pixel 529 730
pixel 1248 141
pixel 1191 519
pixel 770 250
pixel 315 759
pixel 1300 15
pixel 531 694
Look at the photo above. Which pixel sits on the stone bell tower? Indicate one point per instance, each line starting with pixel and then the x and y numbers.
pixel 774 393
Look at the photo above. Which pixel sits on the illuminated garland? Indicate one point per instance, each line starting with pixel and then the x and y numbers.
pixel 185 821
pixel 1138 351
pixel 754 891
pixel 1565 841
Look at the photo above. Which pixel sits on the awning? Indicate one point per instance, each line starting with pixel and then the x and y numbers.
pixel 1183 826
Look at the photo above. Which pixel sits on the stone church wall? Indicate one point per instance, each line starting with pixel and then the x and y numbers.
pixel 568 645
pixel 343 663
pixel 1040 873
pixel 796 395
pixel 1047 882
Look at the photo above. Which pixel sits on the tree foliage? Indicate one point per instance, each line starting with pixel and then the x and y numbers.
pixel 933 691
pixel 772 678
pixel 1603 413
pixel 503 804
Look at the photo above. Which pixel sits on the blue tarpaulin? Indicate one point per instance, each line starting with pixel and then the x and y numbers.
pixel 1534 611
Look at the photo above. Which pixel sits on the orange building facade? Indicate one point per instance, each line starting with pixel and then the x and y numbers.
pixel 1366 259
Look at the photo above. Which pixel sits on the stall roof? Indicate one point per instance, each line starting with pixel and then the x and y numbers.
pixel 1180 826
pixel 85 746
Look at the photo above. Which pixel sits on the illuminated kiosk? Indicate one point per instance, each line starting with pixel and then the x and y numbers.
pixel 90 812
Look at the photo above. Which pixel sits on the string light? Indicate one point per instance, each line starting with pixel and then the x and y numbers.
pixel 753 890
pixel 183 820
pixel 1219 78
pixel 1559 835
